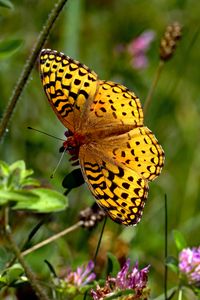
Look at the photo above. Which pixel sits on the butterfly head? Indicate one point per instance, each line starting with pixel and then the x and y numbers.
pixel 73 143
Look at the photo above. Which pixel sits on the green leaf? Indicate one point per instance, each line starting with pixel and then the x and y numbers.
pixel 170 294
pixel 30 182
pixel 4 169
pixel 113 264
pixel 9 47
pixel 179 240
pixel 4 257
pixel 6 3
pixel 4 173
pixel 121 293
pixel 26 173
pixel 16 177
pixel 32 233
pixel 40 200
pixel 86 288
pixel 18 169
pixel 46 201
pixel 15 174
pixel 172 263
pixel 3 281
pixel 51 268
pixel 13 273
pixel 18 195
pixel 13 180
pixel 19 164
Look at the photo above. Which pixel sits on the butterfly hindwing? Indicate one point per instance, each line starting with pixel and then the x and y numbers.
pixel 121 192
pixel 137 149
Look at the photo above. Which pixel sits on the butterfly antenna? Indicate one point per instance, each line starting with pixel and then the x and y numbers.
pixel 61 157
pixel 53 136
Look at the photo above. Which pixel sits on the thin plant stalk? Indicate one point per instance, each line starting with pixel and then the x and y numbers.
pixel 166 249
pixel 168 46
pixel 180 294
pixel 100 239
pixel 39 291
pixel 153 86
pixel 97 249
pixel 52 238
pixel 29 65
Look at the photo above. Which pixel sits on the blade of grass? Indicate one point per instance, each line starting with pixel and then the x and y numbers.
pixel 166 249
pixel 100 239
pixel 153 86
pixel 97 249
pixel 39 291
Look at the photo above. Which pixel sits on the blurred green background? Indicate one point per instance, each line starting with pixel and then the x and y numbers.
pixel 93 32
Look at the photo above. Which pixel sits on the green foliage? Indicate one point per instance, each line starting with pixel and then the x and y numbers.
pixel 172 263
pixel 113 266
pixel 4 257
pixel 6 3
pixel 120 294
pixel 170 294
pixel 9 47
pixel 15 176
pixel 12 276
pixel 41 200
pixel 23 192
pixel 179 240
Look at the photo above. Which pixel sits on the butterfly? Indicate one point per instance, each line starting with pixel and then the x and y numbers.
pixel 117 154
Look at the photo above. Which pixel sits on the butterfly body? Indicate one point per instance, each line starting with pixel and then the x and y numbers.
pixel 118 155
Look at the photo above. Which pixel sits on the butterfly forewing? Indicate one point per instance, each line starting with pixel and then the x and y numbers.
pixel 68 85
pixel 113 105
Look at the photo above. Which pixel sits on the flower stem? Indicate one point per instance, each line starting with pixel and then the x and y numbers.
pixel 29 65
pixel 153 86
pixel 166 249
pixel 180 294
pixel 52 238
pixel 100 238
pixel 39 291
pixel 97 250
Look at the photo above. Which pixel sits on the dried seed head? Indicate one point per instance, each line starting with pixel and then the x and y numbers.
pixel 91 216
pixel 169 41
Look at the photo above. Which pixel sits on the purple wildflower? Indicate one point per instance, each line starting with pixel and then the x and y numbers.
pixel 82 276
pixel 135 280
pixel 189 265
pixel 138 47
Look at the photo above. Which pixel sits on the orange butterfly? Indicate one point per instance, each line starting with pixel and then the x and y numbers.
pixel 118 155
